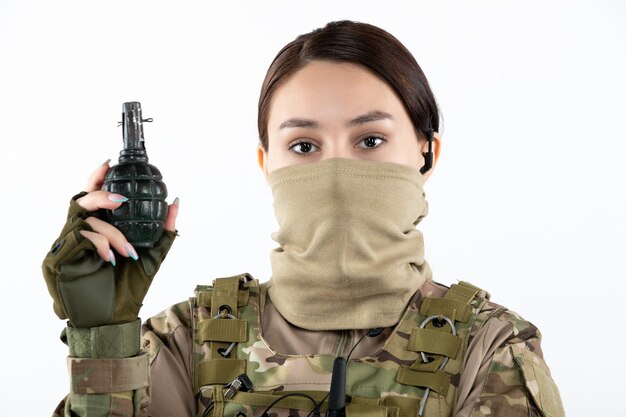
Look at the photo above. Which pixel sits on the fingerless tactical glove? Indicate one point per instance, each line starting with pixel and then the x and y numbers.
pixel 89 291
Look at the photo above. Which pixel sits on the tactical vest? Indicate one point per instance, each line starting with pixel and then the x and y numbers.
pixel 417 370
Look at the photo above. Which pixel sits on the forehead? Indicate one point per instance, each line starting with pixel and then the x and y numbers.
pixel 331 90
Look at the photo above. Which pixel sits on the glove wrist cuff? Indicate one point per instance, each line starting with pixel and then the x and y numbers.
pixel 113 341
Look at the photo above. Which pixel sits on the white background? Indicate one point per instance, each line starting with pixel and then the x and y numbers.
pixel 527 200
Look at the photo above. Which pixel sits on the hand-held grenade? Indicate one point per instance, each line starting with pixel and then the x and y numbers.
pixel 141 219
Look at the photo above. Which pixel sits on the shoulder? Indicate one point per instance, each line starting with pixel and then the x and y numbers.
pixel 492 320
pixel 516 372
pixel 168 320
pixel 504 327
pixel 168 327
pixel 504 372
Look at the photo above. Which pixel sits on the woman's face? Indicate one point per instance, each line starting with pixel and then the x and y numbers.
pixel 329 110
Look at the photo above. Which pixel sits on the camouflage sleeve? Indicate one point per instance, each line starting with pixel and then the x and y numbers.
pixel 168 342
pixel 518 382
pixel 167 346
pixel 108 374
pixel 114 405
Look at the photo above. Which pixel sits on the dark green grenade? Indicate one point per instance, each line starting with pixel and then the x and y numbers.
pixel 141 219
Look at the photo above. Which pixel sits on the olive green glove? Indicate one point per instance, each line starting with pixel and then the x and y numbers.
pixel 89 291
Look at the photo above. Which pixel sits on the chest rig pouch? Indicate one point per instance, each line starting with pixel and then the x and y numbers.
pixel 416 373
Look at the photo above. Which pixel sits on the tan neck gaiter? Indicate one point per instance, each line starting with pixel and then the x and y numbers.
pixel 350 256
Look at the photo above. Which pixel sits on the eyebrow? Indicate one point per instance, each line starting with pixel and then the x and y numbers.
pixel 370 117
pixel 297 122
pixel 359 120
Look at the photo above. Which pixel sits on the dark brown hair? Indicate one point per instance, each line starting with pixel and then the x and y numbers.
pixel 362 44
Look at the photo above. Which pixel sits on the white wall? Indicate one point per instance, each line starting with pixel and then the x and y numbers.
pixel 526 201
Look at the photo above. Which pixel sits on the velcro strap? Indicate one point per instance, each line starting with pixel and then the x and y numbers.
pixel 203 297
pixel 407 405
pixel 264 399
pixel 225 292
pixel 222 330
pixel 453 309
pixel 436 381
pixel 433 341
pixel 367 410
pixel 462 292
pixel 219 371
pixel 114 341
pixel 105 376
pixel 365 400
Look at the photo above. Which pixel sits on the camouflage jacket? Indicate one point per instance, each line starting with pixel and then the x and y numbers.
pixel 503 372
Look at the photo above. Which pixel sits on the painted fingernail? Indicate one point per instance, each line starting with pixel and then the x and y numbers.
pixel 118 198
pixel 131 251
pixel 106 162
pixel 176 201
pixel 111 257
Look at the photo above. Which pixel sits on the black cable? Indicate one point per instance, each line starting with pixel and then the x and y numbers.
pixel 318 405
pixel 282 397
pixel 208 409
pixel 371 333
pixel 355 345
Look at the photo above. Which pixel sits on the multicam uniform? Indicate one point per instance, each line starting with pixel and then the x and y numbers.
pixel 493 366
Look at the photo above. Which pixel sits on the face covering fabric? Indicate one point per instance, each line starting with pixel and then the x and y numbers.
pixel 349 255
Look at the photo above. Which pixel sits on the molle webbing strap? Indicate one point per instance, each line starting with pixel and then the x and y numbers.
pixel 437 381
pixel 365 400
pixel 407 405
pixel 217 396
pixel 222 330
pixel 431 366
pixel 455 304
pixel 367 410
pixel 358 407
pixel 438 341
pixel 452 309
pixel 106 376
pixel 222 300
pixel 219 371
pixel 225 292
pixel 395 405
pixel 113 341
pixel 463 292
pixel 432 341
pixel 204 297
pixel 264 399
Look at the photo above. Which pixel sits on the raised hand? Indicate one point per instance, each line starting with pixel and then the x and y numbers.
pixel 94 275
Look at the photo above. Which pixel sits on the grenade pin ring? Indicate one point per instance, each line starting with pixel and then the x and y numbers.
pixel 425 359
pixel 225 312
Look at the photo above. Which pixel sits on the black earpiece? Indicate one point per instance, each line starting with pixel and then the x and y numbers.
pixel 428 156
pixel 375 332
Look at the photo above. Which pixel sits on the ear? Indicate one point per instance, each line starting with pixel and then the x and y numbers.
pixel 436 150
pixel 261 156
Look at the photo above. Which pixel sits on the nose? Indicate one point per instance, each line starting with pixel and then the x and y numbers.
pixel 338 149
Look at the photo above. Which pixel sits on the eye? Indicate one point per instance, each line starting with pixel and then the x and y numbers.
pixel 304 147
pixel 371 142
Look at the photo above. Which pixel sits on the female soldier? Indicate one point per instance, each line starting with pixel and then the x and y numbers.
pixel 348 131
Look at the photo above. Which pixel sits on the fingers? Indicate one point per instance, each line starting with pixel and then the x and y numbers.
pixel 106 236
pixel 97 177
pixel 172 213
pixel 101 200
pixel 97 199
pixel 113 235
pixel 101 244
